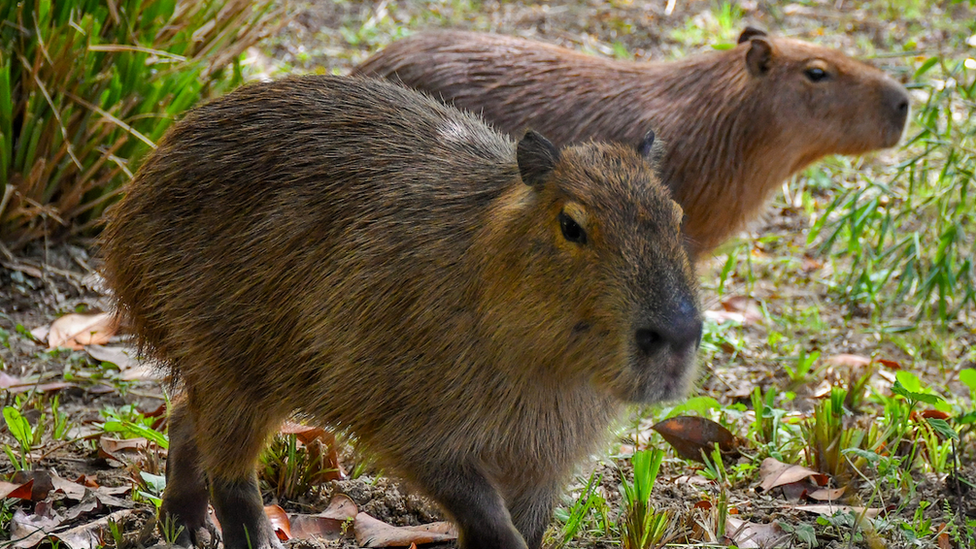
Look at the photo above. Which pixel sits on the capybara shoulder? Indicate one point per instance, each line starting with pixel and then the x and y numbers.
pixel 473 310
pixel 737 122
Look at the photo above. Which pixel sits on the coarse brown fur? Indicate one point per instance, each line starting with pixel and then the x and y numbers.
pixel 474 311
pixel 737 123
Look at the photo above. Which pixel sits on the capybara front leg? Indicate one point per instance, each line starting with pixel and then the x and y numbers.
pixel 531 513
pixel 183 513
pixel 241 514
pixel 475 504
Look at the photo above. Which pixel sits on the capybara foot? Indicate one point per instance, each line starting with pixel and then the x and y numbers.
pixel 241 514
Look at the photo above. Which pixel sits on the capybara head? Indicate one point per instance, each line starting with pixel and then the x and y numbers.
pixel 843 105
pixel 611 253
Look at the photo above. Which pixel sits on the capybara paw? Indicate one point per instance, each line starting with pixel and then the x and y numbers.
pixel 206 536
pixel 263 540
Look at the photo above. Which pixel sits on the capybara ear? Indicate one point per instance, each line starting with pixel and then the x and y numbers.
pixel 646 146
pixel 750 32
pixel 759 56
pixel 537 158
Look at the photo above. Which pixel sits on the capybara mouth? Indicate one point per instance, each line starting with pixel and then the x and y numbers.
pixel 666 377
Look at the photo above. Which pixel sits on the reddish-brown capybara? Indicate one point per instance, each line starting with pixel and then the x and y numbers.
pixel 473 310
pixel 736 123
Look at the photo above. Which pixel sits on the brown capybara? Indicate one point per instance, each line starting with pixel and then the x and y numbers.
pixel 474 311
pixel 737 123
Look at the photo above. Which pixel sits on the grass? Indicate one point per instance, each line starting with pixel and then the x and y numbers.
pixel 88 86
pixel 908 232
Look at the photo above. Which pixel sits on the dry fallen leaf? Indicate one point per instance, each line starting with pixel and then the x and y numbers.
pixel 319 442
pixel 690 436
pixel 776 473
pixel 7 380
pixel 890 364
pixel 749 535
pixel 330 524
pixel 77 330
pixel 827 494
pixel 934 414
pixel 41 482
pixel 92 535
pixel 115 355
pixel 828 509
pixel 371 532
pixel 279 521
pixel 119 451
pixel 29 530
pixel 16 490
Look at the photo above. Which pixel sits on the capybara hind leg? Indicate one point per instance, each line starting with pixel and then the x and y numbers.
pixel 241 514
pixel 184 509
pixel 475 505
pixel 532 512
pixel 230 443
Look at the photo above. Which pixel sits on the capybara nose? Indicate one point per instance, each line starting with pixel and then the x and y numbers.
pixel 681 334
pixel 898 99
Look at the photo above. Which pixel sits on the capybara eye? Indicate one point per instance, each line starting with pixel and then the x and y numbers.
pixel 816 74
pixel 571 229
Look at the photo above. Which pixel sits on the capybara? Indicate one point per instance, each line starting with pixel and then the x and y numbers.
pixel 474 311
pixel 737 122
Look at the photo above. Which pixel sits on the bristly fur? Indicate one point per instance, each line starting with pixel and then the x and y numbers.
pixel 367 256
pixel 733 136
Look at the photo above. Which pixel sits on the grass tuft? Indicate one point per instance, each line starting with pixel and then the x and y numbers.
pixel 87 87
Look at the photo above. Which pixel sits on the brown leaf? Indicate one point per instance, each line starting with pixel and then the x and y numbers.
pixel 40 388
pixel 943 541
pixel 87 481
pixel 690 436
pixel 890 364
pixel 936 414
pixel 73 490
pixel 828 509
pixel 41 484
pixel 776 473
pixel 77 330
pixel 305 433
pixel 92 535
pixel 371 532
pixel 809 264
pixel 827 494
pixel 328 524
pixel 116 355
pixel 17 490
pixel 749 535
pixel 29 530
pixel 795 491
pixel 7 380
pixel 318 441
pixel 342 507
pixel 117 448
pixel 279 521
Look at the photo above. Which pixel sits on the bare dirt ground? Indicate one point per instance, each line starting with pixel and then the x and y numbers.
pixel 331 37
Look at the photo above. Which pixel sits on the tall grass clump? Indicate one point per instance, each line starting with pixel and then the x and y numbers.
pixel 88 86
pixel 910 233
